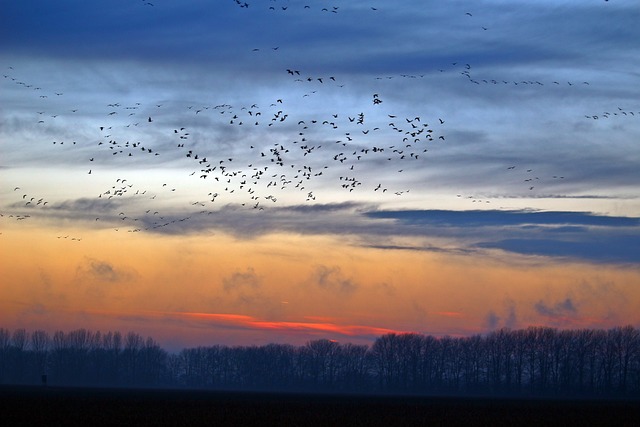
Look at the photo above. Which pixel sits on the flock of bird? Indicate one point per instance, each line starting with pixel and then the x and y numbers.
pixel 305 148
pixel 465 70
pixel 286 150
pixel 283 6
pixel 619 112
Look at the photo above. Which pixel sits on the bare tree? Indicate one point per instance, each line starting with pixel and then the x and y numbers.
pixel 5 345
pixel 532 360
pixel 322 361
pixel 19 340
pixel 353 366
pixel 385 354
pixel 40 346
pixel 133 343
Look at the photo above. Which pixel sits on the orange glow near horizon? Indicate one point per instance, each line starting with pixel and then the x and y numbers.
pixel 202 290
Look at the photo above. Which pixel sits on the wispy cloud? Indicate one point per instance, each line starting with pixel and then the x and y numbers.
pixel 332 279
pixel 102 271
pixel 240 280
pixel 561 308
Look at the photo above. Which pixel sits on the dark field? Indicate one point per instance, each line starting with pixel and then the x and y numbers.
pixel 34 406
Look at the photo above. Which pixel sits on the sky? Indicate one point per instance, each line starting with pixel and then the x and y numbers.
pixel 240 173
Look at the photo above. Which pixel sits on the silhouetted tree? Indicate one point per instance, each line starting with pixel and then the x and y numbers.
pixel 385 358
pixel 320 358
pixel 536 360
pixel 5 346
pixel 18 357
pixel 473 352
pixel 133 344
pixel 40 346
pixel 353 367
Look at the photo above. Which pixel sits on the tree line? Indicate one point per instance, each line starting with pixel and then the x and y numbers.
pixel 532 361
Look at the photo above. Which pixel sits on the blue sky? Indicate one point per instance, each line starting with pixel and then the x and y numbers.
pixel 518 86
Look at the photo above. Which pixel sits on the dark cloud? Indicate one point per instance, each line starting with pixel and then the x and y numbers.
pixel 595 247
pixel 559 234
pixel 355 219
pixel 578 235
pixel 487 218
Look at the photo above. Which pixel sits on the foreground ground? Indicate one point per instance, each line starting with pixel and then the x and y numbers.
pixel 55 406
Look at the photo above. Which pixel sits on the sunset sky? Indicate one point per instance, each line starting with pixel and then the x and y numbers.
pixel 222 172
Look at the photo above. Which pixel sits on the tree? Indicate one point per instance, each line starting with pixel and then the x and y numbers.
pixel 353 367
pixel 5 345
pixel 40 346
pixel 625 342
pixel 18 355
pixel 472 350
pixel 321 358
pixel 133 344
pixel 385 354
pixel 532 360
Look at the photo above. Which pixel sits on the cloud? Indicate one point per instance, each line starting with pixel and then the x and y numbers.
pixel 247 223
pixel 558 234
pixel 492 320
pixel 101 270
pixel 511 321
pixel 332 279
pixel 422 248
pixel 104 271
pixel 93 271
pixel 562 308
pixel 593 247
pixel 485 218
pixel 239 281
pixel 577 235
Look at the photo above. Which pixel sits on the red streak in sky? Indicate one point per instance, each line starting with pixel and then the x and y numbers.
pixel 449 313
pixel 253 323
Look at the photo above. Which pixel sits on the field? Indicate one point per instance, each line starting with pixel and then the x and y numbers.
pixel 93 407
